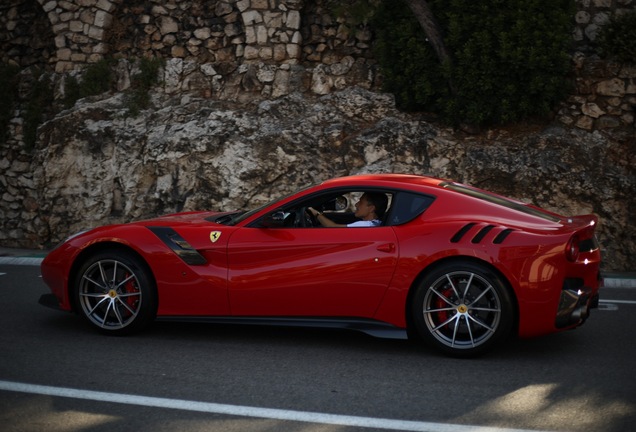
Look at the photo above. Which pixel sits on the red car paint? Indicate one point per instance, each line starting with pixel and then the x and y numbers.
pixel 250 270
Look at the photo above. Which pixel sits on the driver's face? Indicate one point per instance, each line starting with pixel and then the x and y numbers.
pixel 363 208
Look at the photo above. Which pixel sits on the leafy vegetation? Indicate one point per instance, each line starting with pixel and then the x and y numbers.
pixel 148 77
pixel 356 11
pixel 616 40
pixel 509 58
pixel 40 101
pixel 8 81
pixel 97 78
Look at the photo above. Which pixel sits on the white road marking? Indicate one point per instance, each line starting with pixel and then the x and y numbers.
pixel 246 411
pixel 618 301
pixel 2 274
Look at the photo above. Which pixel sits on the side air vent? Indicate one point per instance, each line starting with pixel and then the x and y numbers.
pixel 481 234
pixel 179 245
pixel 502 236
pixel 460 234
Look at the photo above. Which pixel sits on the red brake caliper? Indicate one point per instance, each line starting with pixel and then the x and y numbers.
pixel 439 303
pixel 130 288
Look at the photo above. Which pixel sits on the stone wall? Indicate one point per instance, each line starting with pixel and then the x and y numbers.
pixel 605 96
pixel 94 165
pixel 591 16
pixel 236 49
pixel 237 73
pixel 222 34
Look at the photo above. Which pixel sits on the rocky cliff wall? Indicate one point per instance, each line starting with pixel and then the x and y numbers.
pixel 259 97
pixel 94 165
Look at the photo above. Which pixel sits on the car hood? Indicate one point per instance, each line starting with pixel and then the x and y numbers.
pixel 187 218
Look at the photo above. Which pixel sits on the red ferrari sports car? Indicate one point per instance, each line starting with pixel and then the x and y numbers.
pixel 456 266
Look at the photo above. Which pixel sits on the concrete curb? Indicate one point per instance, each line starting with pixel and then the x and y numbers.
pixel 21 261
pixel 619 280
pixel 21 256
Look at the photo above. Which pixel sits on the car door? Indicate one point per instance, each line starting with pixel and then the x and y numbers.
pixel 315 271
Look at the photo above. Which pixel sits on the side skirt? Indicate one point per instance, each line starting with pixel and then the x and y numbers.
pixel 372 328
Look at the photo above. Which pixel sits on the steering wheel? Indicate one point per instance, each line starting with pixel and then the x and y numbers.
pixel 304 219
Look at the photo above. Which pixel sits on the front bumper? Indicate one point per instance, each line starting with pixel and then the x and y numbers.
pixel 574 306
pixel 50 300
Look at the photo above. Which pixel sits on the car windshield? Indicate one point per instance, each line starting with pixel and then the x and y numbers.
pixel 235 218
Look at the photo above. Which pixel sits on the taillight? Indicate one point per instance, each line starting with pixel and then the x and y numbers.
pixel 572 248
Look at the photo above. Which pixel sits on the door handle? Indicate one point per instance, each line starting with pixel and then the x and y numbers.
pixel 387 247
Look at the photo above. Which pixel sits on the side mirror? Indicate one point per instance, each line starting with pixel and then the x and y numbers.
pixel 341 203
pixel 276 219
pixel 338 203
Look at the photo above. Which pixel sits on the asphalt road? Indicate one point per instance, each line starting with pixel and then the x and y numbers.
pixel 57 374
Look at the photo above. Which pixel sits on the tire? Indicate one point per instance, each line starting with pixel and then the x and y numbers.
pixel 463 309
pixel 115 292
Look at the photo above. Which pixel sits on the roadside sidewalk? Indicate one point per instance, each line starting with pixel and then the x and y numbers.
pixel 24 253
pixel 30 257
pixel 35 257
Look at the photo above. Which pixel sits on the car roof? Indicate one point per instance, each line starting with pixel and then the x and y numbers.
pixel 468 202
pixel 388 180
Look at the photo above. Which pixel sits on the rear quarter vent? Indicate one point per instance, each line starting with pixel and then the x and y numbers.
pixel 464 233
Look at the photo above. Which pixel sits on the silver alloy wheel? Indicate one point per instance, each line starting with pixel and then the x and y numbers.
pixel 110 294
pixel 462 310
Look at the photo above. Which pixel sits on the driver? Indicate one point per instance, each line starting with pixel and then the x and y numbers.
pixel 370 209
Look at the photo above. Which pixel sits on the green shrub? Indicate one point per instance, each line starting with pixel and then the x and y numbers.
pixel 410 68
pixel 509 58
pixel 71 91
pixel 39 103
pixel 355 12
pixel 148 76
pixel 617 40
pixel 97 78
pixel 8 94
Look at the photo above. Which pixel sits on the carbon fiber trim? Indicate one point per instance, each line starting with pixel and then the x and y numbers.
pixel 371 327
pixel 179 246
pixel 588 245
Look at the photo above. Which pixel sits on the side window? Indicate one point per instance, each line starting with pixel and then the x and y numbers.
pixel 345 211
pixel 406 206
pixel 337 205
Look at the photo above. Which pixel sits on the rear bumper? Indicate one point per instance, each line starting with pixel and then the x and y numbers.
pixel 575 305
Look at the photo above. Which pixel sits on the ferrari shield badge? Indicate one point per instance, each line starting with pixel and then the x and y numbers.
pixel 215 235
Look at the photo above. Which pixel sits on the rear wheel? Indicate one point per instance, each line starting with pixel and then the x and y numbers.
pixel 463 309
pixel 115 292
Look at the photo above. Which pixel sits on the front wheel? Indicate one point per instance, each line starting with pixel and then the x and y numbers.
pixel 115 292
pixel 462 308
